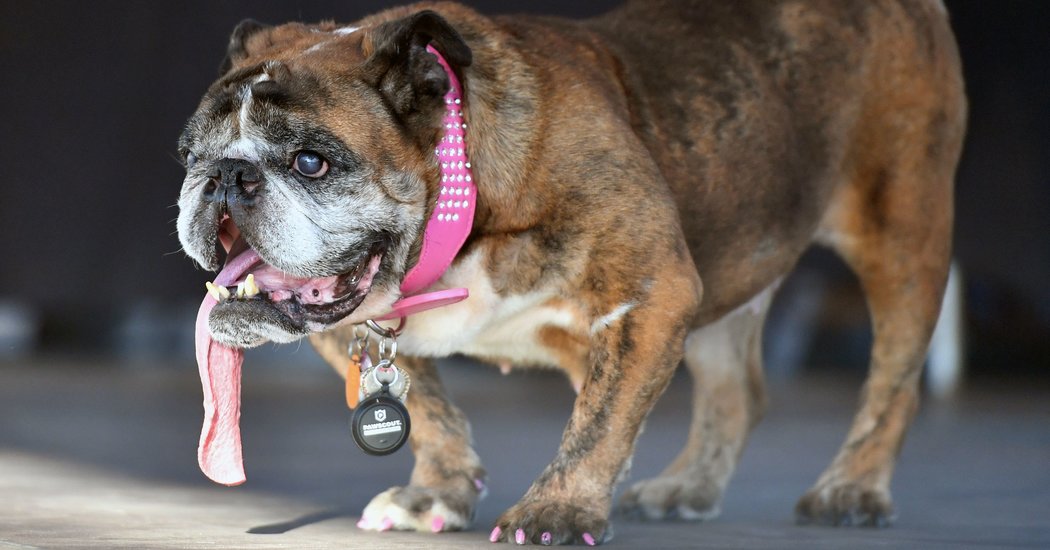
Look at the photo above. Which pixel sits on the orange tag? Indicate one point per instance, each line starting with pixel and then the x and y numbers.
pixel 353 381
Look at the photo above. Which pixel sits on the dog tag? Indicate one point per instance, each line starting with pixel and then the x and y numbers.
pixel 380 424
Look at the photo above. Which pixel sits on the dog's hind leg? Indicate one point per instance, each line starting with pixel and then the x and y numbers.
pixel 891 221
pixel 892 225
pixel 725 361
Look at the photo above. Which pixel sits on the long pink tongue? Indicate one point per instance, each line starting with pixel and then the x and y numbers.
pixel 219 453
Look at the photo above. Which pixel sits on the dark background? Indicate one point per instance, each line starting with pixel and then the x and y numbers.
pixel 94 96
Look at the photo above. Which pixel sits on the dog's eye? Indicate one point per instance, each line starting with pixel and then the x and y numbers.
pixel 310 164
pixel 191 159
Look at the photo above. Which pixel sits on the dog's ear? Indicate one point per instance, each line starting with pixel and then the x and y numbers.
pixel 410 78
pixel 238 49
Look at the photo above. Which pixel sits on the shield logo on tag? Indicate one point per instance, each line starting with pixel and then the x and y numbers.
pixel 380 415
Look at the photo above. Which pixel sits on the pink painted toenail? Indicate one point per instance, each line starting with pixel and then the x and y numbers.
pixel 386 525
pixel 588 539
pixel 437 524
pixel 494 537
pixel 545 538
pixel 519 536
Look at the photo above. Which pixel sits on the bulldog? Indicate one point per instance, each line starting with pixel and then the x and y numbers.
pixel 643 181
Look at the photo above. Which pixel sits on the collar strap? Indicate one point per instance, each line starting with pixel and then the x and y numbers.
pixel 453 216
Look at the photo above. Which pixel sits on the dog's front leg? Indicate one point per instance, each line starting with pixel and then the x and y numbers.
pixel 635 348
pixel 447 480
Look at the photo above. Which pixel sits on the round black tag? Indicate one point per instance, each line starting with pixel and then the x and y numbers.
pixel 380 424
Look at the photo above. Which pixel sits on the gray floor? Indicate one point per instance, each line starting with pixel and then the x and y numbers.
pixel 97 456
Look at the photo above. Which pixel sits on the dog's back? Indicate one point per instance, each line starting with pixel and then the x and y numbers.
pixel 759 110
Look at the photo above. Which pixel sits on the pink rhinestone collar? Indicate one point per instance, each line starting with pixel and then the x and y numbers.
pixel 450 223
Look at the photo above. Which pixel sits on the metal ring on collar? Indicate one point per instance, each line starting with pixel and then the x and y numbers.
pixel 359 342
pixel 383 347
pixel 386 332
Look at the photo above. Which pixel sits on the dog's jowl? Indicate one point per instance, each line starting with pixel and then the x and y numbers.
pixel 617 195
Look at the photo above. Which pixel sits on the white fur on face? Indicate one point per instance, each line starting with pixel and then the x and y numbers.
pixel 245 148
pixel 194 242
pixel 233 335
pixel 248 146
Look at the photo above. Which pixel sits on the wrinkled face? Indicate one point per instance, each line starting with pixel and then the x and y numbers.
pixel 304 184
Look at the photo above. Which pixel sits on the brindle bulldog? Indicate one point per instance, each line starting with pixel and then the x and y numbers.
pixel 644 181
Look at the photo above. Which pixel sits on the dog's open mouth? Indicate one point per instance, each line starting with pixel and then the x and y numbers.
pixel 247 283
pixel 249 288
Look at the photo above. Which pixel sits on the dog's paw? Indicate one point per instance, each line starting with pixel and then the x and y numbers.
pixel 845 504
pixel 687 496
pixel 546 523
pixel 419 509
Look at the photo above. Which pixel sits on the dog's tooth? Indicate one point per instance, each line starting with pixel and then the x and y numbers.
pixel 250 288
pixel 220 292
pixel 215 292
pixel 240 290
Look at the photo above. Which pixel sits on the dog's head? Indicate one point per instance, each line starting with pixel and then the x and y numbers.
pixel 309 165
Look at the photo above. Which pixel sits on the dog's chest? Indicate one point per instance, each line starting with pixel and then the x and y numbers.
pixel 490 326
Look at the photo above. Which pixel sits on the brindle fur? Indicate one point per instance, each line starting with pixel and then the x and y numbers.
pixel 627 158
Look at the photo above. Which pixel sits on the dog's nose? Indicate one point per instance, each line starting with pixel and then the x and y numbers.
pixel 232 180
